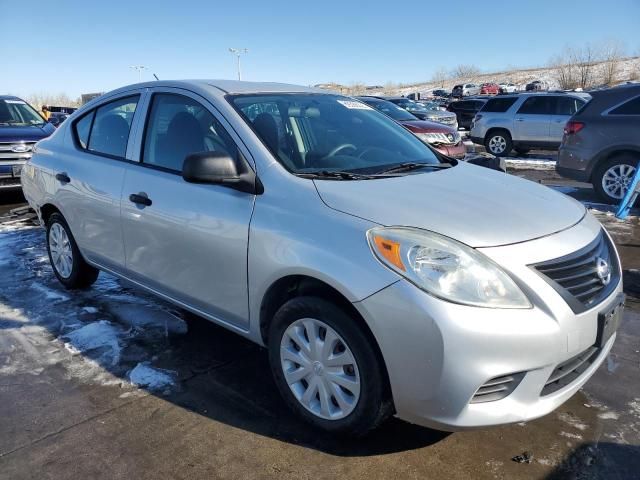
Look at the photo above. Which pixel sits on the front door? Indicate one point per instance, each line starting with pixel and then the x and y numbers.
pixel 186 241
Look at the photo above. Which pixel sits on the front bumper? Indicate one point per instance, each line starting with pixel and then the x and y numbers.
pixel 10 174
pixel 438 354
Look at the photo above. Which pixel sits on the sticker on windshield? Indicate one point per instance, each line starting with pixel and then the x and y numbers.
pixel 19 102
pixel 354 105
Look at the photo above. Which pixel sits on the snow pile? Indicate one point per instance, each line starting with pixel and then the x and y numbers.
pixel 531 163
pixel 102 334
pixel 154 379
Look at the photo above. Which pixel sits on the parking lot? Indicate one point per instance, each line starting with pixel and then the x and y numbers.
pixel 112 383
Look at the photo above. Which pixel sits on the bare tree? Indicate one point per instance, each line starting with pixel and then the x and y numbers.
pixel 440 76
pixel 465 72
pixel 611 54
pixel 584 59
pixel 565 69
pixel 37 100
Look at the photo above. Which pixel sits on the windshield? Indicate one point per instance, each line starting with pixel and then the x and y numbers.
pixel 14 112
pixel 431 106
pixel 310 133
pixel 390 109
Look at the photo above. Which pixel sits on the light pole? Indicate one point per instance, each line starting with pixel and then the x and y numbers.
pixel 237 52
pixel 139 68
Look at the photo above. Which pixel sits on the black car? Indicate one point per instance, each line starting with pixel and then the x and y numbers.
pixel 21 126
pixel 465 110
pixel 410 106
pixel 440 93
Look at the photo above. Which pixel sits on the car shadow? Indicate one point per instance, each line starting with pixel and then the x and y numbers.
pixel 599 460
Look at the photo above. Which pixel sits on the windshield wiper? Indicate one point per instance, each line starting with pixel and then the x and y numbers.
pixel 340 175
pixel 403 167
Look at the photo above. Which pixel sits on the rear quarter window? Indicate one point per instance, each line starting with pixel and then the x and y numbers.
pixel 82 129
pixel 498 105
pixel 632 107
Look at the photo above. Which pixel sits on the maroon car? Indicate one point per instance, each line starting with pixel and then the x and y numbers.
pixel 441 137
pixel 489 89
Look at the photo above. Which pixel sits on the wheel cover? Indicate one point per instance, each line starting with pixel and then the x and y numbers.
pixel 320 369
pixel 617 180
pixel 61 252
pixel 497 144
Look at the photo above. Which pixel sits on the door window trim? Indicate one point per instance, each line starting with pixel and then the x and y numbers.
pixel 138 148
pixel 92 111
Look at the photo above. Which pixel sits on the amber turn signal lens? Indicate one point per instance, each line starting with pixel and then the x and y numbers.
pixel 390 250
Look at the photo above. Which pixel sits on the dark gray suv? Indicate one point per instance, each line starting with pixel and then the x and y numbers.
pixel 601 142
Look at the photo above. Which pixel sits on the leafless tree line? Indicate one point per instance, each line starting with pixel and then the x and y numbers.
pixel 37 100
pixel 588 66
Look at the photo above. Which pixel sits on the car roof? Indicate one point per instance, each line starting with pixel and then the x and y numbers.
pixel 223 87
pixel 9 97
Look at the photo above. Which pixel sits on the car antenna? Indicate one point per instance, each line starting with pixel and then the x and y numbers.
pixel 156 77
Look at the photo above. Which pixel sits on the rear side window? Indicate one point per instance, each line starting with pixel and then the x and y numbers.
pixel 538 105
pixel 83 127
pixel 498 105
pixel 632 107
pixel 568 105
pixel 110 130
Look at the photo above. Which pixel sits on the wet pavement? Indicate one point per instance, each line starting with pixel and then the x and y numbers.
pixel 112 383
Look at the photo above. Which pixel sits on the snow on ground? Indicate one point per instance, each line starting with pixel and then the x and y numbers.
pixel 530 163
pixel 97 335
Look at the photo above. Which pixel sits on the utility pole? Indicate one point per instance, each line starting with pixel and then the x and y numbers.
pixel 139 68
pixel 237 52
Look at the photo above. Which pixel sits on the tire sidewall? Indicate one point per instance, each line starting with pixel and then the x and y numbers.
pixel 366 415
pixel 72 279
pixel 499 133
pixel 601 170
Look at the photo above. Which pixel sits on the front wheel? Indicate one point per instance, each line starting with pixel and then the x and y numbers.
pixel 498 143
pixel 326 369
pixel 67 262
pixel 612 178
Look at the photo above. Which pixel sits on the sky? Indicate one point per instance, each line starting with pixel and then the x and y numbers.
pixel 74 47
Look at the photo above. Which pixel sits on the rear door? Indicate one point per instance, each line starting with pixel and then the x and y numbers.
pixel 565 108
pixel 190 241
pixel 89 178
pixel 532 120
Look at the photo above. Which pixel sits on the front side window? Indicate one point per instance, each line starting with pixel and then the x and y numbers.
pixel 18 113
pixel 632 107
pixel 538 105
pixel 110 130
pixel 325 132
pixel 178 126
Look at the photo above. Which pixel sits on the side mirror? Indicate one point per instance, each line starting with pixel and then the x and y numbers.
pixel 218 168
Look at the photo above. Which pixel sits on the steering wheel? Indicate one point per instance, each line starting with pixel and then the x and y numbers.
pixel 341 147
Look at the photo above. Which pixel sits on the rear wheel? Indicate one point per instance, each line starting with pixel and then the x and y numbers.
pixel 326 368
pixel 498 143
pixel 67 262
pixel 612 178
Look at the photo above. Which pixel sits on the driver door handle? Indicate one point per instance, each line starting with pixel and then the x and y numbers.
pixel 63 177
pixel 139 199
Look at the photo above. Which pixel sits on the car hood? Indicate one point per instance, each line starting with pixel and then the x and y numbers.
pixel 25 134
pixel 420 126
pixel 440 113
pixel 474 205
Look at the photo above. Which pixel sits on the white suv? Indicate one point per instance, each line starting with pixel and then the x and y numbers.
pixel 524 121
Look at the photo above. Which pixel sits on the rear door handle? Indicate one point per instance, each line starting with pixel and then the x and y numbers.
pixel 63 177
pixel 140 199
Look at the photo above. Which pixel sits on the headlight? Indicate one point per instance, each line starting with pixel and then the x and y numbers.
pixel 445 268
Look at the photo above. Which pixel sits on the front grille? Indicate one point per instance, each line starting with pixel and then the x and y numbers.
pixel 568 371
pixel 577 277
pixel 497 388
pixel 7 153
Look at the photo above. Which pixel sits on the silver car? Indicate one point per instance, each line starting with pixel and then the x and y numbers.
pixel 382 277
pixel 524 121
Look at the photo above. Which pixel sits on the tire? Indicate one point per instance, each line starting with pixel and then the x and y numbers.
pixel 65 257
pixel 604 179
pixel 522 151
pixel 498 143
pixel 361 409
